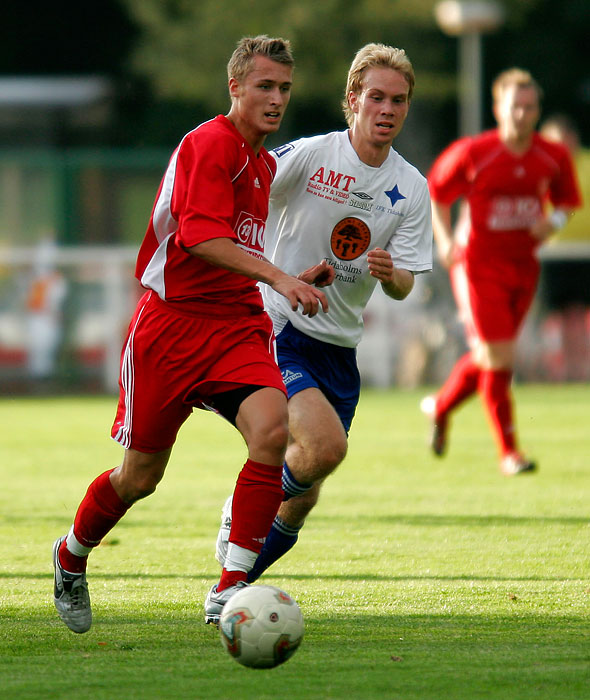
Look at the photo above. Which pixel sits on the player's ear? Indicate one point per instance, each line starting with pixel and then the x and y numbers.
pixel 353 102
pixel 496 110
pixel 234 87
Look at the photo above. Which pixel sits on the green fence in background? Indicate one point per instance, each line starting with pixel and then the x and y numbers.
pixel 78 196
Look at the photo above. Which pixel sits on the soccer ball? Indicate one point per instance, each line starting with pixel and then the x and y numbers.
pixel 261 626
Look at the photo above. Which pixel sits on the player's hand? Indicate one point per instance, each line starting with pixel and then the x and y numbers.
pixel 447 253
pixel 541 229
pixel 380 265
pixel 395 282
pixel 299 292
pixel 321 275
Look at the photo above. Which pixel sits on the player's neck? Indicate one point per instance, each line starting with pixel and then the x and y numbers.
pixel 369 153
pixel 253 136
pixel 517 144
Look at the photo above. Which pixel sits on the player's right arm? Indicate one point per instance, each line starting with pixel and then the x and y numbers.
pixel 443 232
pixel 447 181
pixel 223 252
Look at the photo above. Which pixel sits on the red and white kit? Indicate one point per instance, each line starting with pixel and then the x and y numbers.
pixel 506 194
pixel 214 187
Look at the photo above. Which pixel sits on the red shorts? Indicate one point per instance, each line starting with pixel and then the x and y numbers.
pixel 493 296
pixel 174 361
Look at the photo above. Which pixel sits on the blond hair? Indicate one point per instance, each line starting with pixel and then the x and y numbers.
pixel 514 77
pixel 240 63
pixel 376 56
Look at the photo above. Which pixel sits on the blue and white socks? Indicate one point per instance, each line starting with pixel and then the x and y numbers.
pixel 282 536
pixel 278 542
pixel 291 486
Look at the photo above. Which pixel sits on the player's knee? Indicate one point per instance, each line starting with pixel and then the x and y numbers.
pixel 138 477
pixel 279 436
pixel 495 356
pixel 271 439
pixel 133 485
pixel 140 488
pixel 329 454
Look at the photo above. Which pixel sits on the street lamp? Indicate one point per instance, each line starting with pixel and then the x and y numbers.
pixel 468 20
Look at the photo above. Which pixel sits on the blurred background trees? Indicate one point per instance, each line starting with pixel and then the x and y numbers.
pixel 167 57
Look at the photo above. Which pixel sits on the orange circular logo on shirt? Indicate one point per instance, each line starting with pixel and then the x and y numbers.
pixel 350 238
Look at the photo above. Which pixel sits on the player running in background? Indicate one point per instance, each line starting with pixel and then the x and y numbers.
pixel 351 200
pixel 505 175
pixel 200 336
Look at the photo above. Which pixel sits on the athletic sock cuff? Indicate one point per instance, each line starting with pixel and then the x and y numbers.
pixel 106 496
pixel 284 528
pixel 291 486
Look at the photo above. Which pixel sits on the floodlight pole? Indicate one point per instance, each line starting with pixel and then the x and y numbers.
pixel 468 20
pixel 470 87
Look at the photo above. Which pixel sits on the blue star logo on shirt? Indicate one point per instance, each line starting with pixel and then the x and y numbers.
pixel 394 195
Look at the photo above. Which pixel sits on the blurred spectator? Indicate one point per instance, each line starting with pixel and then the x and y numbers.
pixel 45 298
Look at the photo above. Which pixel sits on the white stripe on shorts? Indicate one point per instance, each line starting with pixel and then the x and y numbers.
pixel 123 436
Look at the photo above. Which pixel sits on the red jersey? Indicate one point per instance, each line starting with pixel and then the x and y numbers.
pixel 215 186
pixel 506 192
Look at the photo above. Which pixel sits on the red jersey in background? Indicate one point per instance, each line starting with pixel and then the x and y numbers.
pixel 506 192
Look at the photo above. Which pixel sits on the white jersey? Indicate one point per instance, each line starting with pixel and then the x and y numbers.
pixel 326 204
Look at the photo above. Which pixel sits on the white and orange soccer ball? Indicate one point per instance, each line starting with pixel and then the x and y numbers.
pixel 261 626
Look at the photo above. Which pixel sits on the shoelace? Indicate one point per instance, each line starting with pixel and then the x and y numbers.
pixel 78 595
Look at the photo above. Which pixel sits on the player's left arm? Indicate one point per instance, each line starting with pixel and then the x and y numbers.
pixel 320 275
pixel 410 246
pixel 549 224
pixel 564 194
pixel 396 282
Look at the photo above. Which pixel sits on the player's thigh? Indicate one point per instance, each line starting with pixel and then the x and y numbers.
pixel 500 295
pixel 490 300
pixel 158 366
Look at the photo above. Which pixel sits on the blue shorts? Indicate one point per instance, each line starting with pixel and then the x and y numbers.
pixel 306 362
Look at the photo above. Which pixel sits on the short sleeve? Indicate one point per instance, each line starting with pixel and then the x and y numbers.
pixel 290 160
pixel 564 189
pixel 448 179
pixel 411 245
pixel 203 197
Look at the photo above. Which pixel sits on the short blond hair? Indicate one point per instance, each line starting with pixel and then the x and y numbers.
pixel 376 56
pixel 240 63
pixel 514 77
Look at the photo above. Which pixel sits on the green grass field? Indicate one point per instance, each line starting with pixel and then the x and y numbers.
pixel 419 579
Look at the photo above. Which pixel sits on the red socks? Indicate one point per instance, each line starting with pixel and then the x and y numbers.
pixel 100 510
pixel 495 391
pixel 494 386
pixel 256 500
pixel 230 578
pixel 460 385
pixel 257 497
